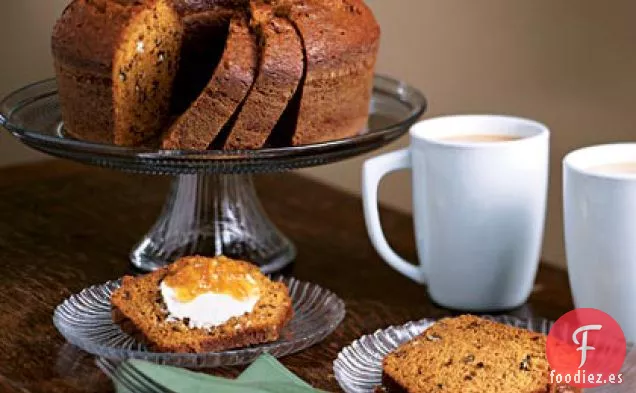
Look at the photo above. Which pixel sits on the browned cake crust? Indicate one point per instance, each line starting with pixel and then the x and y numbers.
pixel 225 92
pixel 341 39
pixel 138 308
pixel 280 71
pixel 471 355
pixel 115 62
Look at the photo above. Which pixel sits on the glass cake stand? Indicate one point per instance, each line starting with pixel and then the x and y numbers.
pixel 212 207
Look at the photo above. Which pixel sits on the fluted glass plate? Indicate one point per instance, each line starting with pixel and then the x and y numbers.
pixel 358 367
pixel 33 115
pixel 85 321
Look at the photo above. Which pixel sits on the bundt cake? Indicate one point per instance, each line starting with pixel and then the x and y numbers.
pixel 197 74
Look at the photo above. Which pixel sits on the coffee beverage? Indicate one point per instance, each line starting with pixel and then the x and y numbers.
pixel 599 206
pixel 616 168
pixel 481 138
pixel 456 185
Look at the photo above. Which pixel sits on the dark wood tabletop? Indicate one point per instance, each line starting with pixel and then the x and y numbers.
pixel 65 226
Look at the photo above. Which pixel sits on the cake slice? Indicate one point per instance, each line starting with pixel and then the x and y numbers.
pixel 206 28
pixel 229 85
pixel 279 74
pixel 115 63
pixel 201 305
pixel 471 355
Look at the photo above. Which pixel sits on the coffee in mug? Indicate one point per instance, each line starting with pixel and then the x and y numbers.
pixel 479 208
pixel 599 196
pixel 616 168
pixel 481 138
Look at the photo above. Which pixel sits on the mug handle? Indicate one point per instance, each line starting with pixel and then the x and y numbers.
pixel 373 171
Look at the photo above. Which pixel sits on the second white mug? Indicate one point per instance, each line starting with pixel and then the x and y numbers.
pixel 479 203
pixel 599 195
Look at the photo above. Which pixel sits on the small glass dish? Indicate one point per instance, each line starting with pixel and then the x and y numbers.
pixel 358 368
pixel 85 321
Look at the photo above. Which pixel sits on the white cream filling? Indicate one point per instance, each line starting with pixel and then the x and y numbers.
pixel 206 310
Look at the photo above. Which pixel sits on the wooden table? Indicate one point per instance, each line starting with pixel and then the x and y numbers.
pixel 65 226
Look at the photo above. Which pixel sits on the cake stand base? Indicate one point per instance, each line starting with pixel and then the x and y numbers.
pixel 213 215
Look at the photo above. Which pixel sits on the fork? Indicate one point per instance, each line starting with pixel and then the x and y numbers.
pixel 146 382
pixel 110 369
pixel 130 377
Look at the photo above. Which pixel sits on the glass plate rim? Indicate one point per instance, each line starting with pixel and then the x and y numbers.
pixel 229 155
pixel 339 314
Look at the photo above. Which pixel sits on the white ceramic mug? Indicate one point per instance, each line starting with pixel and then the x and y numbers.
pixel 600 232
pixel 479 209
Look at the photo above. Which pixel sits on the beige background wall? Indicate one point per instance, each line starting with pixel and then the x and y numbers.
pixel 569 63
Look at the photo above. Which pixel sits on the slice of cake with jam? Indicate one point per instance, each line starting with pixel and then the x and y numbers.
pixel 201 305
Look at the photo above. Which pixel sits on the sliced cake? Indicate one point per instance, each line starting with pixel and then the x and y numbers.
pixel 471 355
pixel 279 73
pixel 202 305
pixel 341 40
pixel 226 90
pixel 127 68
pixel 206 29
pixel 115 63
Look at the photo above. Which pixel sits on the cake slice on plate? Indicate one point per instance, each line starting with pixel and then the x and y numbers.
pixel 201 305
pixel 471 355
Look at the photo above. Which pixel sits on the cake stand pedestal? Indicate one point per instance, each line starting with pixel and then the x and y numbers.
pixel 214 215
pixel 212 207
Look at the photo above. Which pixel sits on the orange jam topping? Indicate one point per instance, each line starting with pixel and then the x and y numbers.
pixel 192 277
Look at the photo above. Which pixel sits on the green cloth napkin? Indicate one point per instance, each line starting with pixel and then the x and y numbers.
pixel 265 375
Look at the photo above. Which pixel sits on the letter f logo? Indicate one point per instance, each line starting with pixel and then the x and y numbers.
pixel 583 344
